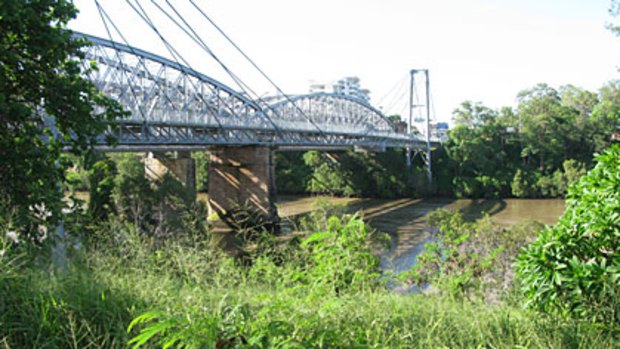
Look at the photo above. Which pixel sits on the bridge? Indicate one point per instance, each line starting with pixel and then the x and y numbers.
pixel 173 107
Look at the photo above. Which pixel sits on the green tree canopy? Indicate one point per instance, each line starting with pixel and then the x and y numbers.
pixel 45 104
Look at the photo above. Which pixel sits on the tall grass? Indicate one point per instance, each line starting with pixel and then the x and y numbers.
pixel 323 291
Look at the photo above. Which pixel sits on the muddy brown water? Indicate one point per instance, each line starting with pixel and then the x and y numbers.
pixel 405 219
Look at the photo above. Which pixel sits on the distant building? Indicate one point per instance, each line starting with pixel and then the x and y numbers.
pixel 439 129
pixel 349 86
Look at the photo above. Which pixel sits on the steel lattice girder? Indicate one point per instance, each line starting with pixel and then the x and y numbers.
pixel 173 105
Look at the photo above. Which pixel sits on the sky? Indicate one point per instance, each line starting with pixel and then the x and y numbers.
pixel 478 50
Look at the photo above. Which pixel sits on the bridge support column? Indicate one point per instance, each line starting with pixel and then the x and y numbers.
pixel 242 177
pixel 181 166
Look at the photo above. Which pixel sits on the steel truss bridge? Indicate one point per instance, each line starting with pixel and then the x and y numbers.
pixel 173 107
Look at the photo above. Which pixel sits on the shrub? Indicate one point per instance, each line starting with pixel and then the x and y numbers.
pixel 101 187
pixel 574 267
pixel 522 184
pixel 469 259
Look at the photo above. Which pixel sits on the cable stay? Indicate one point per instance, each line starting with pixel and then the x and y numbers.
pixel 280 91
pixel 175 57
pixel 173 94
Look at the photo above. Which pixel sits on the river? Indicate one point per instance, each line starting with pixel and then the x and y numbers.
pixel 405 219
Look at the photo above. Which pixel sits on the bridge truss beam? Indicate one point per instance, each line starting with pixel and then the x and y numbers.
pixel 172 105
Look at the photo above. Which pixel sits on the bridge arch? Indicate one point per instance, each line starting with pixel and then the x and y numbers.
pixel 167 101
pixel 175 106
pixel 331 113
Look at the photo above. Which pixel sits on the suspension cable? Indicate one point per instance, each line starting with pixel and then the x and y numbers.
pixel 176 57
pixel 148 71
pixel 109 33
pixel 198 40
pixel 145 17
pixel 235 78
pixel 287 97
pixel 242 85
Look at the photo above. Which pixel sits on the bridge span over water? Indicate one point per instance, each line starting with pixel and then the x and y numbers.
pixel 173 107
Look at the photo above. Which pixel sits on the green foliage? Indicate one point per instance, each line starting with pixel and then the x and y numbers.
pixel 316 219
pixel 530 184
pixel 523 184
pixel 76 178
pixel 292 173
pixel 119 187
pixel 171 203
pixel 101 187
pixel 133 194
pixel 475 147
pixel 535 150
pixel 549 186
pixel 201 159
pixel 573 171
pixel 574 266
pixel 330 176
pixel 354 173
pixel 40 76
pixel 215 329
pixel 183 292
pixel 614 11
pixel 341 256
pixel 469 259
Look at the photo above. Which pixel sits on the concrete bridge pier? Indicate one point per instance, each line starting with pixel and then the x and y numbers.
pixel 242 178
pixel 180 165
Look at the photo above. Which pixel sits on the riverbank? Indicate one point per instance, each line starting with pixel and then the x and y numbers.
pixel 405 219
pixel 321 292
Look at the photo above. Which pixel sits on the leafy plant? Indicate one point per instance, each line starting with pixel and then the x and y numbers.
pixel 574 266
pixel 469 259
pixel 341 255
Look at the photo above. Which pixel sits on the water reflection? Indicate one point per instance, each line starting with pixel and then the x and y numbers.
pixel 405 219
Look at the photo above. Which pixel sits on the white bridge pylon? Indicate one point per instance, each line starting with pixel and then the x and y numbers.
pixel 173 107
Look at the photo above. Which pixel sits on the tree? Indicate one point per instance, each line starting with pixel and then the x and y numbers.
pixel 132 192
pixel 473 114
pixel 100 189
pixel 614 11
pixel 606 115
pixel 579 99
pixel 45 104
pixel 476 144
pixel 543 121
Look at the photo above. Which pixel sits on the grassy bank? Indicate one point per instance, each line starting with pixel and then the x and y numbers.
pixel 323 291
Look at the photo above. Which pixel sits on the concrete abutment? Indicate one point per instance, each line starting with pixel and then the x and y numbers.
pixel 242 178
pixel 180 165
pixel 241 184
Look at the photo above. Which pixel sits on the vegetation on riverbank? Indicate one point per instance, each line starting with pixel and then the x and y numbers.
pixel 535 150
pixel 138 265
pixel 470 260
pixel 574 266
pixel 324 290
pixel 124 281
